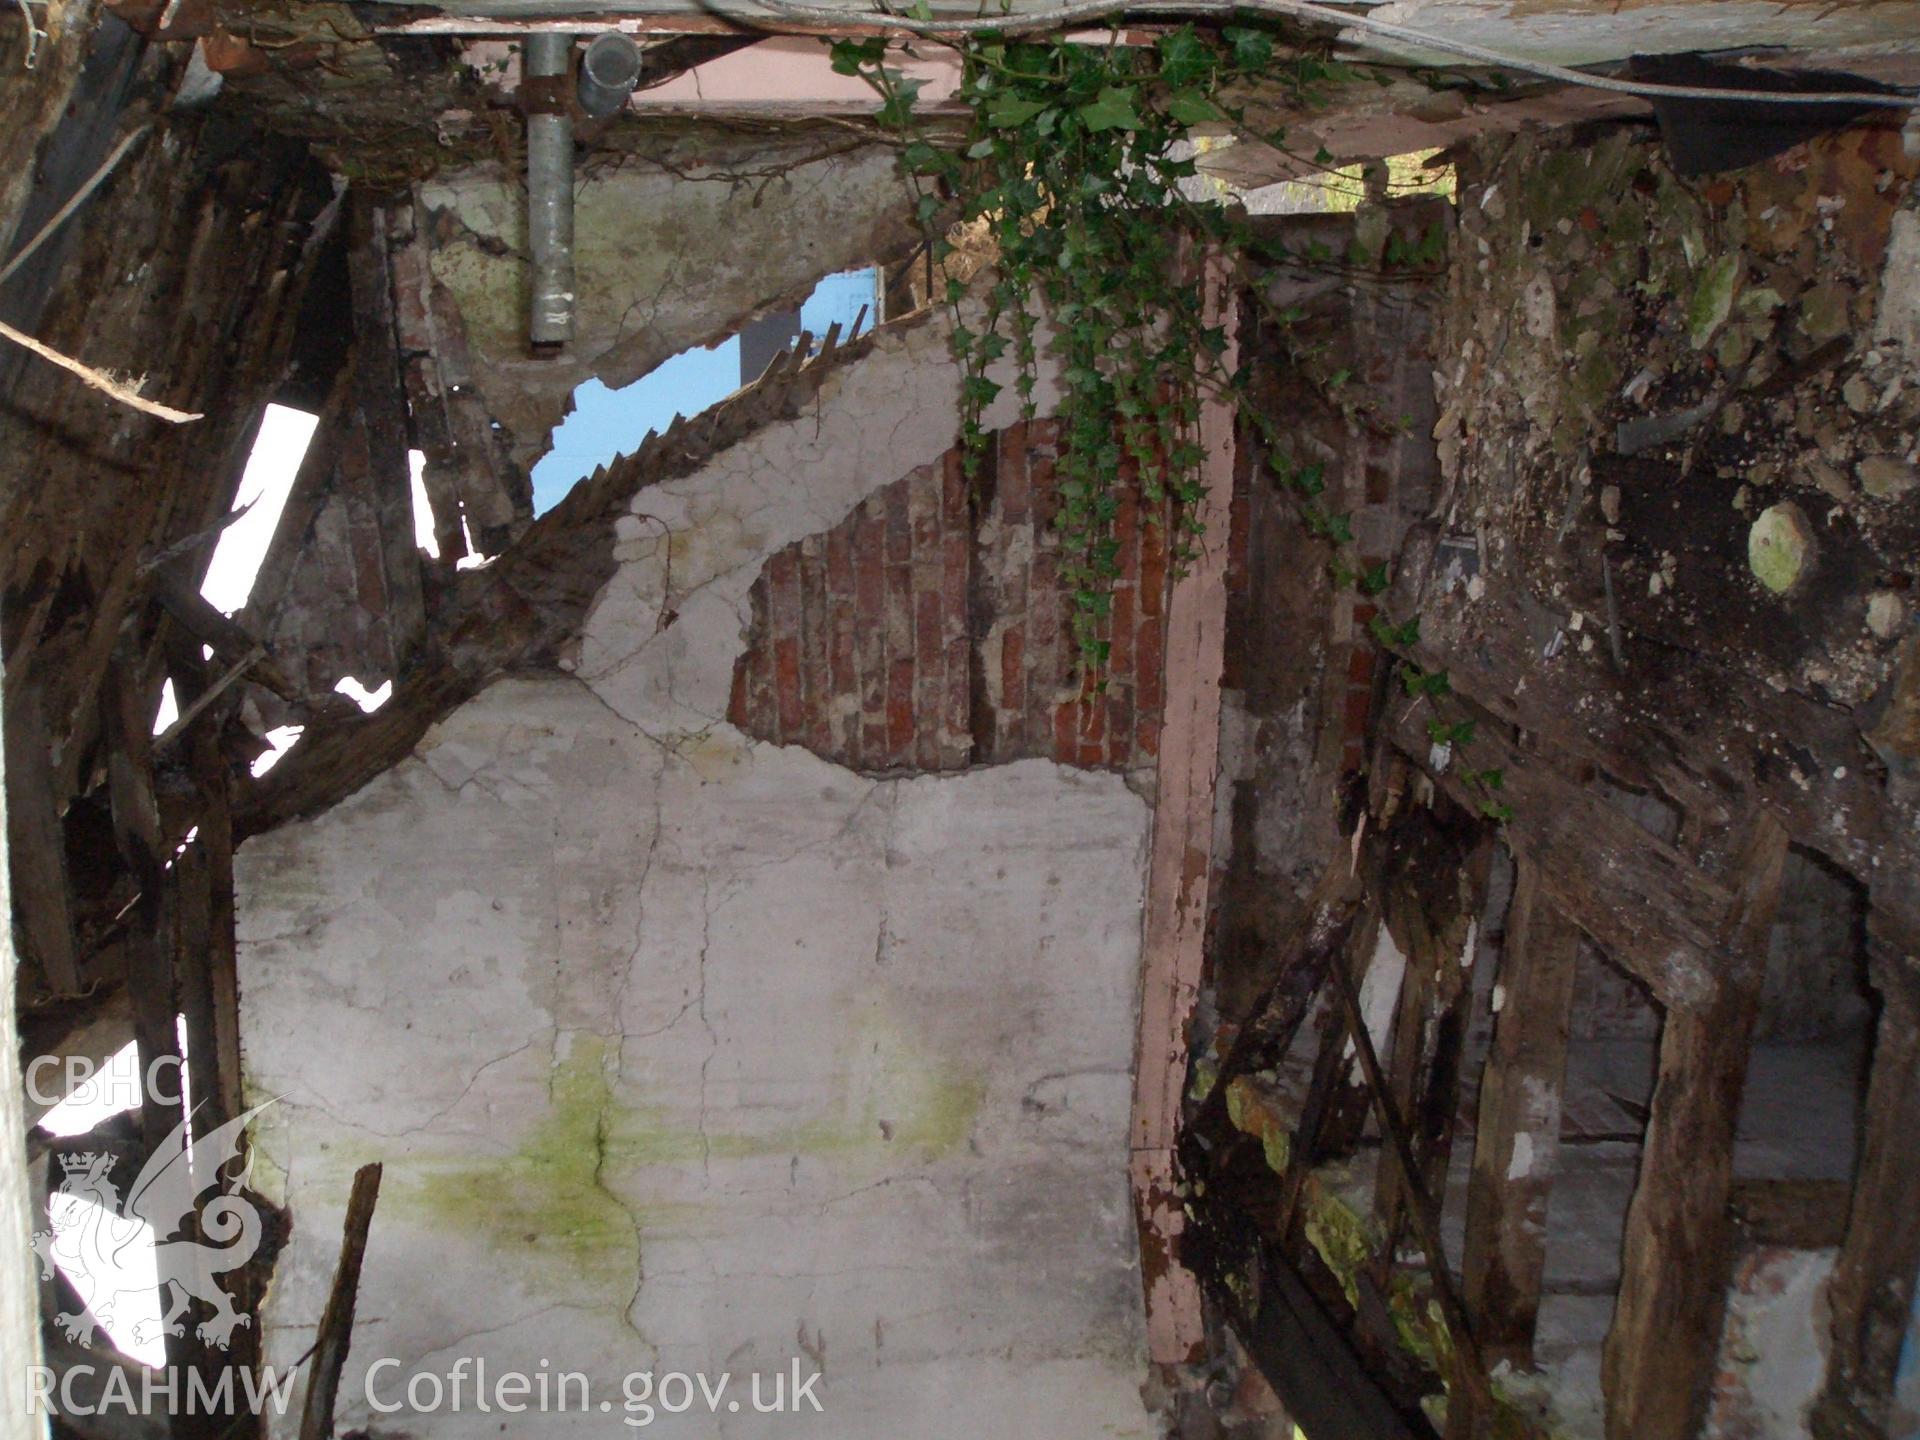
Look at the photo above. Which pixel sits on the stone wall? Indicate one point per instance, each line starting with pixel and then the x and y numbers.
pixel 690 1051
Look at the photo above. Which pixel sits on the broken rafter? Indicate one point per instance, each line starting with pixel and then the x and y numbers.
pixel 227 638
pixel 1440 924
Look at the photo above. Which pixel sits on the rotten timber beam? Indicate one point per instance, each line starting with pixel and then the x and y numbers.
pixel 1659 1353
pixel 1440 922
pixel 1804 760
pixel 231 642
pixel 380 441
pixel 1517 1141
pixel 1646 904
pixel 1470 1392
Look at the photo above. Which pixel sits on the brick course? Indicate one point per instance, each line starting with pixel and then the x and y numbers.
pixel 929 630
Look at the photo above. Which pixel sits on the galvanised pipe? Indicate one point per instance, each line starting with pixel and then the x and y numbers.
pixel 608 72
pixel 545 64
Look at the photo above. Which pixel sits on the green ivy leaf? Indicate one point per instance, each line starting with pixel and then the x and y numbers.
pixel 1395 637
pixel 1191 107
pixel 1252 49
pixel 1184 58
pixel 1009 111
pixel 849 56
pixel 897 112
pixel 1113 110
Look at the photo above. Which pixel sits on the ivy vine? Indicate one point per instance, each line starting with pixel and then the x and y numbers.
pixel 1077 160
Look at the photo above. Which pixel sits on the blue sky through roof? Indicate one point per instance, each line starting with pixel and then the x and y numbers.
pixel 606 423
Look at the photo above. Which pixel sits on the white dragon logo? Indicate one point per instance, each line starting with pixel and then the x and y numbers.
pixel 164 1196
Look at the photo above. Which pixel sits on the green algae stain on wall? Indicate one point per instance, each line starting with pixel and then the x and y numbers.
pixel 551 1206
pixel 546 1205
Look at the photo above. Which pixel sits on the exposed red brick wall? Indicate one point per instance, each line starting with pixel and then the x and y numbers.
pixel 929 630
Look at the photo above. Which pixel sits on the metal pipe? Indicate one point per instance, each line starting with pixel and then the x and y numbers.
pixel 545 62
pixel 608 72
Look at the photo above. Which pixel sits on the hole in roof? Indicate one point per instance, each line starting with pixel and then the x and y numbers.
pixel 281 739
pixel 278 449
pixel 169 710
pixel 423 518
pixel 368 700
pixel 605 424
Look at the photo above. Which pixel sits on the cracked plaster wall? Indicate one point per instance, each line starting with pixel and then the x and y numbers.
pixel 685 1051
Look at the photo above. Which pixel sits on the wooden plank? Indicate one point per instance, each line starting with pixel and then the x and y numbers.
pixel 37 845
pixel 230 641
pixel 1655 913
pixel 19 1285
pixel 1871 1293
pixel 380 394
pixel 1331 1066
pixel 222 980
pixel 336 1324
pixel 1660 1350
pixel 1517 1144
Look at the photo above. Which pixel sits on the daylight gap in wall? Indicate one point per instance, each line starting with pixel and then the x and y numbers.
pixel 605 424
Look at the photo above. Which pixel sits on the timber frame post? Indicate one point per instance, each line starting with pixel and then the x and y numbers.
pixel 1871 1293
pixel 1517 1137
pixel 1659 1354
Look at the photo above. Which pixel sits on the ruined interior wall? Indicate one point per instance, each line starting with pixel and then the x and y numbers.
pixel 672 249
pixel 1731 361
pixel 1638 369
pixel 688 1051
